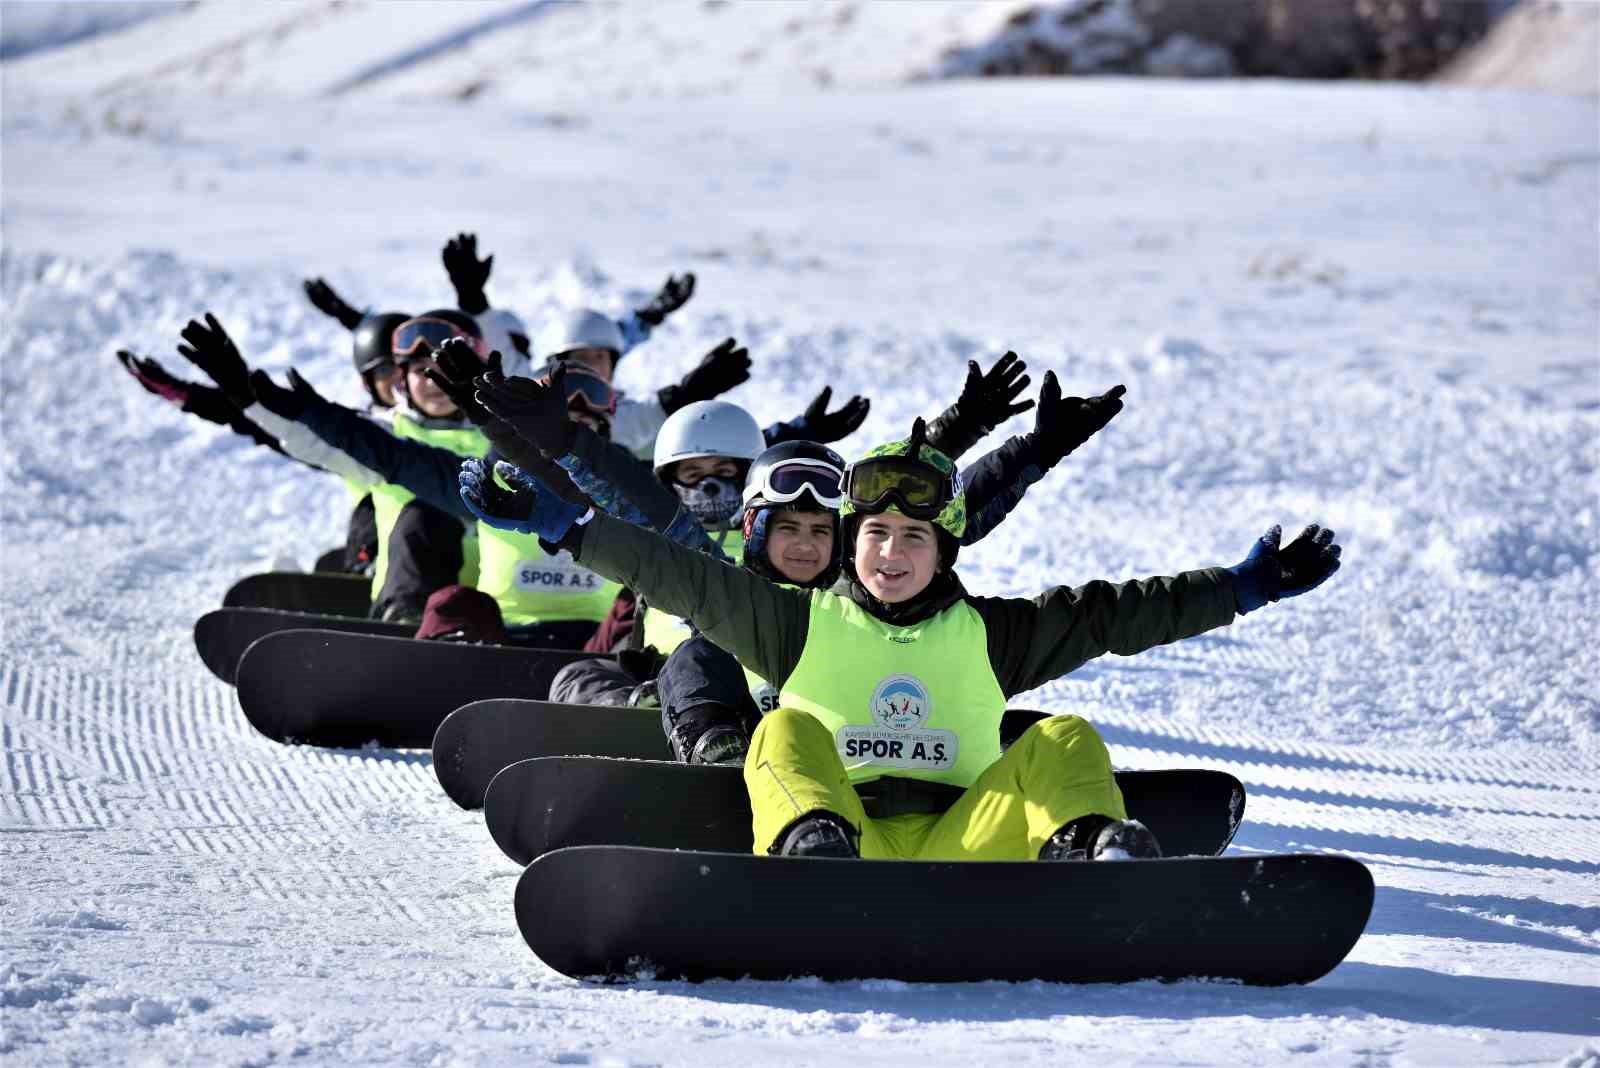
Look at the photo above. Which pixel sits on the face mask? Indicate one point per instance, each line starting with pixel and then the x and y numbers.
pixel 714 500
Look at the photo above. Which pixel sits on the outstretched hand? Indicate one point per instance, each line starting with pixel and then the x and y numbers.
pixel 213 351
pixel 823 426
pixel 321 294
pixel 1271 572
pixel 674 294
pixel 468 274
pixel 155 378
pixel 288 403
pixel 718 371
pixel 537 411
pixel 990 399
pixel 456 364
pixel 1064 423
pixel 523 503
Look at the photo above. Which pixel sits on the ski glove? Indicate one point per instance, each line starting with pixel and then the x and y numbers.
pixel 527 506
pixel 157 379
pixel 990 399
pixel 536 411
pixel 210 349
pixel 288 403
pixel 321 294
pixel 720 370
pixel 456 364
pixel 675 293
pixel 1270 573
pixel 468 274
pixel 820 425
pixel 1064 423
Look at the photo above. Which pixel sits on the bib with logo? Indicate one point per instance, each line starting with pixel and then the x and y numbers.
pixel 919 702
pixel 388 499
pixel 532 586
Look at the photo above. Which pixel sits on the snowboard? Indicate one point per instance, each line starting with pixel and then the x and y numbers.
pixel 331 562
pixel 301 591
pixel 613 912
pixel 538 806
pixel 476 741
pixel 323 687
pixel 222 635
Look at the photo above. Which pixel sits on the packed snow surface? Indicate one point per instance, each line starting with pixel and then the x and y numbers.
pixel 1377 308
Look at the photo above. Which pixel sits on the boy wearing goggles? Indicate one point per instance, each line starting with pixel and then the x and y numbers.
pixel 892 684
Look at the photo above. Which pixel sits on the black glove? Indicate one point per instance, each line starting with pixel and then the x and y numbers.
pixel 720 370
pixel 157 379
pixel 468 274
pixel 1271 573
pixel 210 349
pixel 456 364
pixel 675 293
pixel 536 411
pixel 328 302
pixel 986 399
pixel 822 426
pixel 288 403
pixel 1064 423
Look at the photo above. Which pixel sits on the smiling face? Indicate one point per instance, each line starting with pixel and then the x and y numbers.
pixel 800 544
pixel 426 397
pixel 896 556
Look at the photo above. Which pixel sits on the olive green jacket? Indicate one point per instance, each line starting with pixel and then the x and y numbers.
pixel 1030 641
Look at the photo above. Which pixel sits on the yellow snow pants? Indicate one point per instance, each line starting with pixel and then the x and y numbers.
pixel 1057 771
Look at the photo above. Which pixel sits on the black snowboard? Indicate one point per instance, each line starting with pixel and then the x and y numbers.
pixel 224 634
pixel 537 806
pixel 476 741
pixel 627 912
pixel 331 562
pixel 323 687
pixel 300 591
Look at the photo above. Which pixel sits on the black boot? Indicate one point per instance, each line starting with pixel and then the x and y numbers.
pixel 1097 837
pixel 705 734
pixel 820 835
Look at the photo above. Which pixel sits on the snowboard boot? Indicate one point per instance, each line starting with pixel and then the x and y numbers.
pixel 644 695
pixel 1097 837
pixel 705 734
pixel 819 835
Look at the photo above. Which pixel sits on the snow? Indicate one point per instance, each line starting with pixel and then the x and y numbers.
pixel 1376 307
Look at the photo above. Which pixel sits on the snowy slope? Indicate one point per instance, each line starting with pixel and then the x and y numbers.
pixel 1377 307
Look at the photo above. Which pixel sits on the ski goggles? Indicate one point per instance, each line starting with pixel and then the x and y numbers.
pixel 919 490
pixel 585 389
pixel 786 482
pixel 422 337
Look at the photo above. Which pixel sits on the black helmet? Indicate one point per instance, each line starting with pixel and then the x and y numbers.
pixel 798 476
pixel 371 338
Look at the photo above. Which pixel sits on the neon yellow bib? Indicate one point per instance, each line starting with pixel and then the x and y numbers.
pixel 920 702
pixel 388 499
pixel 532 586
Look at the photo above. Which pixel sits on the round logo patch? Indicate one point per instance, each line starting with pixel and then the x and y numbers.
pixel 901 703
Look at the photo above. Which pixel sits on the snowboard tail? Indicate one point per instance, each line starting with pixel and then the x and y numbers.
pixel 539 806
pixel 331 688
pixel 300 591
pixel 221 636
pixel 610 912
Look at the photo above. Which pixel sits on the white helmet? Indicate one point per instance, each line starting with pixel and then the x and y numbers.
pixel 708 428
pixel 498 326
pixel 581 329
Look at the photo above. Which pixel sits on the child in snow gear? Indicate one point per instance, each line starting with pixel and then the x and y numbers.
pixel 900 674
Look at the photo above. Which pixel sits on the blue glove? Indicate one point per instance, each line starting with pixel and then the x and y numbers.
pixel 528 507
pixel 1270 573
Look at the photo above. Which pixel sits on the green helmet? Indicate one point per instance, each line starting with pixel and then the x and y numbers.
pixel 909 477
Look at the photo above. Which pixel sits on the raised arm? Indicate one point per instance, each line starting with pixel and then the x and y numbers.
pixel 762 624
